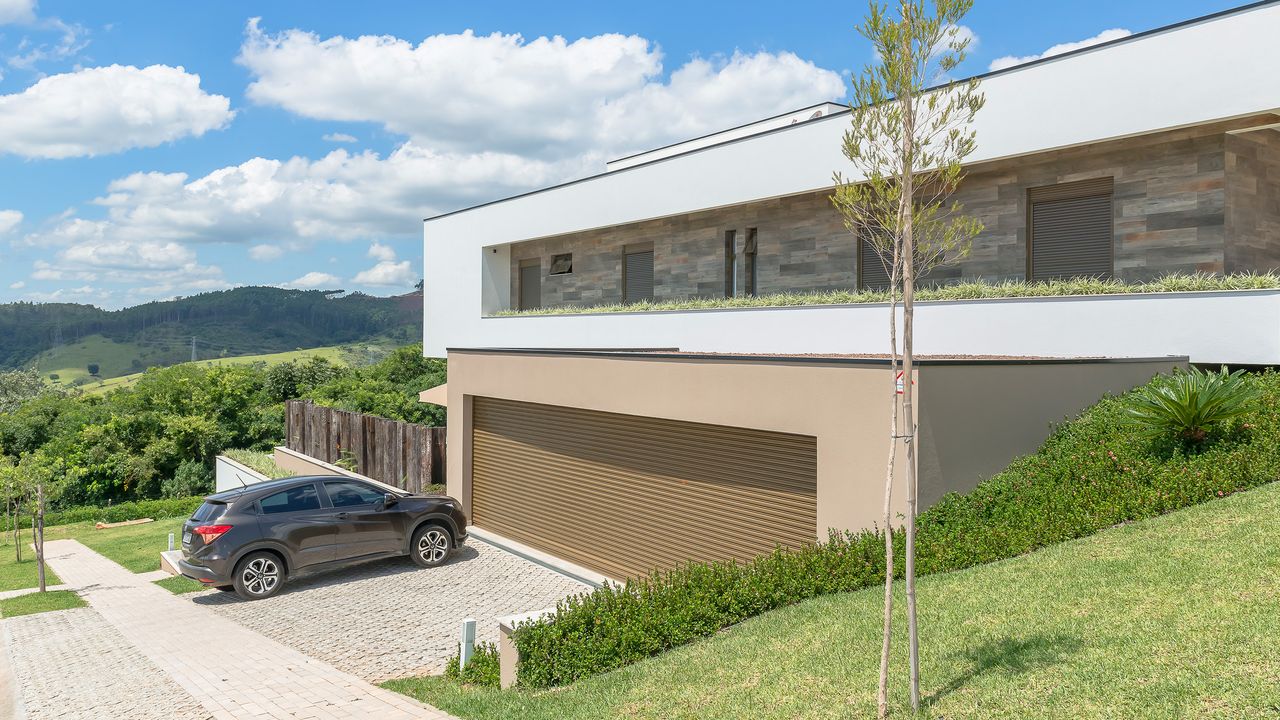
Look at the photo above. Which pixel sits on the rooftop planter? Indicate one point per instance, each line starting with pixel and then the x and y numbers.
pixel 957 292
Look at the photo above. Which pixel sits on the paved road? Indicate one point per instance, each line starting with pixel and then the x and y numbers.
pixel 228 669
pixel 392 619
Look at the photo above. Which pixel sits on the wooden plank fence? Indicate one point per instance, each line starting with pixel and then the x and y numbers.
pixel 406 455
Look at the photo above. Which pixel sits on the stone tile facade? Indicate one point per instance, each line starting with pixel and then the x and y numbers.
pixel 1170 210
pixel 1253 201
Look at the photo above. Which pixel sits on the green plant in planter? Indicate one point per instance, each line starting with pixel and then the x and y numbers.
pixel 1190 404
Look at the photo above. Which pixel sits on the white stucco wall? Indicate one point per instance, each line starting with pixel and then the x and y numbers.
pixel 1212 70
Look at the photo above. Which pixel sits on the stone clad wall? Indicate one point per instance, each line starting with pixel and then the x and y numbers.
pixel 1253 201
pixel 1170 215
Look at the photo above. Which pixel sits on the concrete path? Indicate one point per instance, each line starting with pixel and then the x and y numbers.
pixel 232 671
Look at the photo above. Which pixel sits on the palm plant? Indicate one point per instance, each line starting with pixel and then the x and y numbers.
pixel 1190 404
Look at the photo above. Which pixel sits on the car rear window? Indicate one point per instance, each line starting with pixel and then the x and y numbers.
pixel 209 511
pixel 303 497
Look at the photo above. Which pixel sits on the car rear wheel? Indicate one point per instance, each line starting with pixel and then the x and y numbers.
pixel 259 575
pixel 431 545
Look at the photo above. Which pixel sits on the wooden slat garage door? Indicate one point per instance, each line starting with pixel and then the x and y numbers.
pixel 625 494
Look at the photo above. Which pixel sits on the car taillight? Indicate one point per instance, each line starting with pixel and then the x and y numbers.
pixel 209 533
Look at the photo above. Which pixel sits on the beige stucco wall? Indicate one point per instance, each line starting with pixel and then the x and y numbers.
pixel 843 406
pixel 976 418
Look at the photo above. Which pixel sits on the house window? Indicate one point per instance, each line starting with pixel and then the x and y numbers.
pixel 637 273
pixel 530 290
pixel 561 264
pixel 749 259
pixel 873 268
pixel 730 263
pixel 1069 230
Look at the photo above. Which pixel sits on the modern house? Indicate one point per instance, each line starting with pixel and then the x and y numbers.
pixel 622 441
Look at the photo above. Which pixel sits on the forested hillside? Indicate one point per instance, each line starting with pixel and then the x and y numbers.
pixel 242 321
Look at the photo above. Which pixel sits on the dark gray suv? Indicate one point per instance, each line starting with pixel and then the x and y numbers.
pixel 252 539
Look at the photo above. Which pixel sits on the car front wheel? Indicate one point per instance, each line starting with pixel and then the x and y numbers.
pixel 431 545
pixel 259 575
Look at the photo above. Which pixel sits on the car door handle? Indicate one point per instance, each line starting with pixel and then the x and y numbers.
pixel 342 515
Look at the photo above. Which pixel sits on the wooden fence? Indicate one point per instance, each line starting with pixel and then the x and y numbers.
pixel 402 454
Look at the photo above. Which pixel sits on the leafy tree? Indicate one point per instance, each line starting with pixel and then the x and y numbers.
pixel 907 141
pixel 93 368
pixel 19 386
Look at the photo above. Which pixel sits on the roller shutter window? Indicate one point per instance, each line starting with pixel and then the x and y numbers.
pixel 530 284
pixel 1071 230
pixel 627 494
pixel 637 275
pixel 873 270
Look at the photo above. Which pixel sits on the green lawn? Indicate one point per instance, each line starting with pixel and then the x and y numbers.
pixel 40 602
pixel 1175 617
pixel 137 547
pixel 179 584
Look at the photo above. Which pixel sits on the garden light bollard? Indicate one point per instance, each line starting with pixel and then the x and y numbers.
pixel 468 644
pixel 171 542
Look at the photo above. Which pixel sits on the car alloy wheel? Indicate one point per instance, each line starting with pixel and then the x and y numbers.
pixel 260 576
pixel 433 545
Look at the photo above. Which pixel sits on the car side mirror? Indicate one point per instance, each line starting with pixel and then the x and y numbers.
pixel 390 499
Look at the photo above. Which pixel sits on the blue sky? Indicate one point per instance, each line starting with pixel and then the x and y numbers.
pixel 152 149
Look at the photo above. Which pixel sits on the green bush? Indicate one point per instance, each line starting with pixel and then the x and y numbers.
pixel 1093 472
pixel 170 507
pixel 1191 404
pixel 191 478
pixel 482 670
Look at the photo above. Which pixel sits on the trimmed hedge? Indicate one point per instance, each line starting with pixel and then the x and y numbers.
pixel 168 507
pixel 1093 472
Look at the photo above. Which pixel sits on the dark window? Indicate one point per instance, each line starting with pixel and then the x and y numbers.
pixel 303 497
pixel 344 493
pixel 1070 230
pixel 873 268
pixel 730 263
pixel 209 511
pixel 749 258
pixel 530 284
pixel 637 275
pixel 561 264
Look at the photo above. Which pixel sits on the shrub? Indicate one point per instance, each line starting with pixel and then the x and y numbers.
pixel 482 670
pixel 1191 404
pixel 170 507
pixel 93 368
pixel 191 478
pixel 1093 472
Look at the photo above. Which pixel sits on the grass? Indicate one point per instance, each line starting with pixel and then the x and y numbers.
pixel 960 291
pixel 136 547
pixel 259 460
pixel 1166 618
pixel 40 602
pixel 179 585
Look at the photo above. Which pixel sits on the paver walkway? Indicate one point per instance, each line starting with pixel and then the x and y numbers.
pixel 232 671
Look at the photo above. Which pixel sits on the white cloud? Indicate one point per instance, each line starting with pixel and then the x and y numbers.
pixel 316 279
pixel 387 274
pixel 17 11
pixel 378 251
pixel 546 97
pixel 108 109
pixel 9 219
pixel 265 253
pixel 339 138
pixel 1009 61
pixel 17 285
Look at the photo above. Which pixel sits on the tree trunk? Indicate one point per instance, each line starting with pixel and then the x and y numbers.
pixel 908 417
pixel 882 706
pixel 17 532
pixel 39 534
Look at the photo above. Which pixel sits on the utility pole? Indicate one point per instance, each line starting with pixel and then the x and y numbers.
pixel 193 348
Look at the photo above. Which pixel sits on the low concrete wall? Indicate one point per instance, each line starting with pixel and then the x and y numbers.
pixel 229 474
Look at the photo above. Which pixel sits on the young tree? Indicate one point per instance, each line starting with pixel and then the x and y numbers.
pixel 909 134
pixel 38 478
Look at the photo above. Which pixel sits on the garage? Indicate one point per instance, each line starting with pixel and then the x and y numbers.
pixel 625 494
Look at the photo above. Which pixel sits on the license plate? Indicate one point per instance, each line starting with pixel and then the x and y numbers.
pixel 186 538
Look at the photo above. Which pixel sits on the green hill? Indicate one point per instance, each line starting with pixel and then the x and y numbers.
pixel 64 339
pixel 1172 617
pixel 360 354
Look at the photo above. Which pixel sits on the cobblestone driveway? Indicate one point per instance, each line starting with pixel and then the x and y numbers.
pixel 390 618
